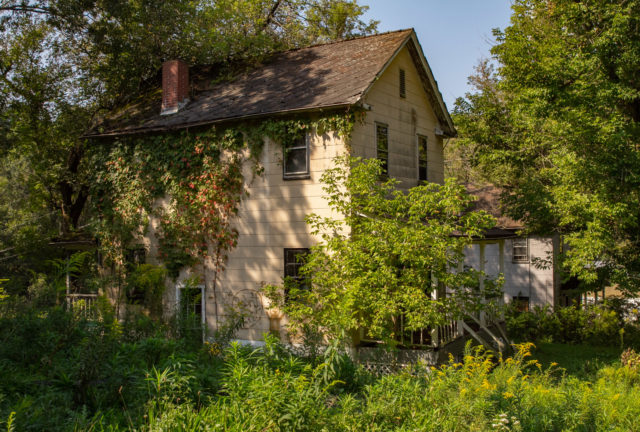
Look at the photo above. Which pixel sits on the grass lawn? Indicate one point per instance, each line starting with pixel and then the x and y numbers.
pixel 582 361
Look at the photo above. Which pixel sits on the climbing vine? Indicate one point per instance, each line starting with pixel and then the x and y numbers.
pixel 191 182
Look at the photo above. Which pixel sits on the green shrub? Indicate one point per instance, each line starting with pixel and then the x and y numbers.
pixel 60 372
pixel 598 325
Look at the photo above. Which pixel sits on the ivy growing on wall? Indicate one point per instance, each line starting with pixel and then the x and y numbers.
pixel 190 181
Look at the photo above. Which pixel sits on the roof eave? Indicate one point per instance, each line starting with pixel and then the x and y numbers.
pixel 450 129
pixel 141 131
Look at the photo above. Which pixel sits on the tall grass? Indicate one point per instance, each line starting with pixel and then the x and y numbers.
pixel 60 372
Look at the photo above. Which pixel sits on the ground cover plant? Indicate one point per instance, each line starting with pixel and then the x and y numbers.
pixel 60 371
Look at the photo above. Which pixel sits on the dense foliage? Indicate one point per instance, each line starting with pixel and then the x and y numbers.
pixel 60 371
pixel 607 324
pixel 64 63
pixel 555 121
pixel 384 254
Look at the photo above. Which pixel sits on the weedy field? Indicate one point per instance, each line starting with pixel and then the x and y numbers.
pixel 61 372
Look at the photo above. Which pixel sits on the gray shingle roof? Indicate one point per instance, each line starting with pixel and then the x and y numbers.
pixel 318 77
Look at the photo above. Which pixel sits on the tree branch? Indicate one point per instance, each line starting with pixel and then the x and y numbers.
pixel 5 6
pixel 271 15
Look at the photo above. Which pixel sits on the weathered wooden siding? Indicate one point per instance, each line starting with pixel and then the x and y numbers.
pixel 272 217
pixel 406 118
pixel 534 278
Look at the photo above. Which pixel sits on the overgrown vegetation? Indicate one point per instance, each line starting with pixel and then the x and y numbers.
pixel 385 254
pixel 554 121
pixel 608 324
pixel 59 371
pixel 64 64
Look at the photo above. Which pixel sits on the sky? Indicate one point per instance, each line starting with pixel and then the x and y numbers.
pixel 454 34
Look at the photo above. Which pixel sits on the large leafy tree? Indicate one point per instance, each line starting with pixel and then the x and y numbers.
pixel 557 124
pixel 387 255
pixel 63 62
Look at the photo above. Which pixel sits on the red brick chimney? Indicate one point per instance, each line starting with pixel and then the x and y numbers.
pixel 175 86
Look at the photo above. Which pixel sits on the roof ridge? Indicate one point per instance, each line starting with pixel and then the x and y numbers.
pixel 410 29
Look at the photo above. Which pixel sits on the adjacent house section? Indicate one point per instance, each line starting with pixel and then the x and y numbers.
pixel 528 263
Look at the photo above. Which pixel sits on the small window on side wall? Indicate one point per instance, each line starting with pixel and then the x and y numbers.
pixel 403 84
pixel 382 147
pixel 521 303
pixel 296 159
pixel 294 259
pixel 520 249
pixel 422 158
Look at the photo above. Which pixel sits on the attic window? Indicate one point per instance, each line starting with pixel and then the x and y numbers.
pixel 403 84
pixel 296 159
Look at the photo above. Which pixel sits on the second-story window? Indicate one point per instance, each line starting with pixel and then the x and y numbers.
pixel 296 159
pixel 382 146
pixel 403 84
pixel 422 158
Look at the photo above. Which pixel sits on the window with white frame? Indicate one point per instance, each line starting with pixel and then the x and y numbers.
pixel 191 303
pixel 296 159
pixel 382 146
pixel 422 158
pixel 520 249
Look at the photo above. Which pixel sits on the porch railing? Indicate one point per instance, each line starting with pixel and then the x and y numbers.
pixel 424 338
pixel 83 304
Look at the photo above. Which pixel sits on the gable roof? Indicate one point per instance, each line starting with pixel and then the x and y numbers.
pixel 488 199
pixel 320 77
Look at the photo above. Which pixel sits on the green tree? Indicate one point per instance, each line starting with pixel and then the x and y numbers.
pixel 63 63
pixel 384 254
pixel 557 125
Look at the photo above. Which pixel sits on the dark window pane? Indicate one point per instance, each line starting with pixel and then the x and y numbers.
pixel 403 84
pixel 293 260
pixel 296 161
pixel 191 301
pixel 521 303
pixel 382 146
pixel 422 172
pixel 422 158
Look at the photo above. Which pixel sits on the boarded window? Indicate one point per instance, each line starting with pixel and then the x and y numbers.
pixel 296 159
pixel 422 158
pixel 382 146
pixel 520 250
pixel 403 84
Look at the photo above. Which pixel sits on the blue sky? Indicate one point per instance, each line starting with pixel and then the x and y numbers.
pixel 454 34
